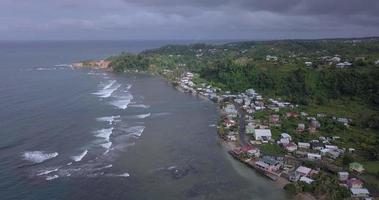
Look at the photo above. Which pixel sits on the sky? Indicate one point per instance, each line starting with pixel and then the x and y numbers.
pixel 187 19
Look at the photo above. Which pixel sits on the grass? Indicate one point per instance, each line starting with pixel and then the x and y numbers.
pixel 272 149
pixel 371 166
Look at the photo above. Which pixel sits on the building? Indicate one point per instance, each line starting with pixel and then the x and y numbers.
pixel 249 128
pixel 291 147
pixel 303 145
pixel 306 180
pixel 308 64
pixel 268 164
pixel 275 119
pixel 343 176
pixel 313 156
pixel 343 65
pixel 271 58
pixel 359 192
pixel 303 171
pixel 354 183
pixel 262 134
pixel 230 110
pixel 356 167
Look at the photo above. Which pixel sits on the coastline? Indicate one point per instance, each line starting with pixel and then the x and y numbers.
pixel 229 146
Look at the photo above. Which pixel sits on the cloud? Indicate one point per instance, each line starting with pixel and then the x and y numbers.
pixel 185 19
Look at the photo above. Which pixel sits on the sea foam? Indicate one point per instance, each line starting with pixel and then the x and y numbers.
pixel 109 119
pixel 142 116
pixel 39 156
pixel 47 172
pixel 80 156
pixel 122 102
pixel 104 133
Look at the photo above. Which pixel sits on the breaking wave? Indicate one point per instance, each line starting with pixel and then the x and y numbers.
pixel 122 102
pixel 140 106
pixel 49 178
pixel 104 133
pixel 142 116
pixel 108 90
pixel 47 172
pixel 109 119
pixel 80 156
pixel 39 156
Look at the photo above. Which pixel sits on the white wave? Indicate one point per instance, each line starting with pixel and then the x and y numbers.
pixel 106 145
pixel 105 167
pixel 63 65
pixel 122 102
pixel 104 133
pixel 161 114
pixel 128 87
pixel 70 163
pixel 107 91
pixel 140 106
pixel 142 116
pixel 80 156
pixel 135 130
pixel 39 156
pixel 124 175
pixel 109 119
pixel 47 172
pixel 49 178
pixel 212 125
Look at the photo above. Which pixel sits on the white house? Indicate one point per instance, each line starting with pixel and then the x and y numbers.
pixel 377 62
pixel 343 176
pixel 313 156
pixel 262 134
pixel 306 180
pixel 359 192
pixel 303 145
pixel 308 64
pixel 343 65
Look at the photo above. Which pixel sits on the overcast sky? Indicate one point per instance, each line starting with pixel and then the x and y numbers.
pixel 187 19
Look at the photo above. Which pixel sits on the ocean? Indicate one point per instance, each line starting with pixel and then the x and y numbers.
pixel 90 134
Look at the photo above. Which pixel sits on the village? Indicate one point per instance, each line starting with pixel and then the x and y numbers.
pixel 249 126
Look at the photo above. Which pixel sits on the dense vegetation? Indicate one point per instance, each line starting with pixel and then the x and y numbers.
pixel 238 66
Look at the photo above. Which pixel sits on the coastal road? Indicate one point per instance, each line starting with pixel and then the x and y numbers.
pixel 241 130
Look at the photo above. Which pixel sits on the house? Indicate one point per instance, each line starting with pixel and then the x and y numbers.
pixel 303 171
pixel 356 167
pixel 271 58
pixel 229 123
pixel 354 183
pixel 303 145
pixel 232 138
pixel 313 156
pixel 343 65
pixel 249 128
pixel 292 114
pixel 262 134
pixel 230 110
pixel 275 119
pixel 308 64
pixel 285 139
pixel 291 147
pixel 377 62
pixel 335 59
pixel 359 192
pixel 333 153
pixel 306 180
pixel 268 164
pixel 343 176
pixel 343 121
pixel 300 127
pixel 294 176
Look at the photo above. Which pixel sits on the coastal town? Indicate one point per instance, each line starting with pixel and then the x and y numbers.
pixel 248 125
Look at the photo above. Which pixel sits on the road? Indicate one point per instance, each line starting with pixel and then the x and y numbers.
pixel 241 121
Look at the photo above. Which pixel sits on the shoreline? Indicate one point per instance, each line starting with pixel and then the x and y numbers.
pixel 229 146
